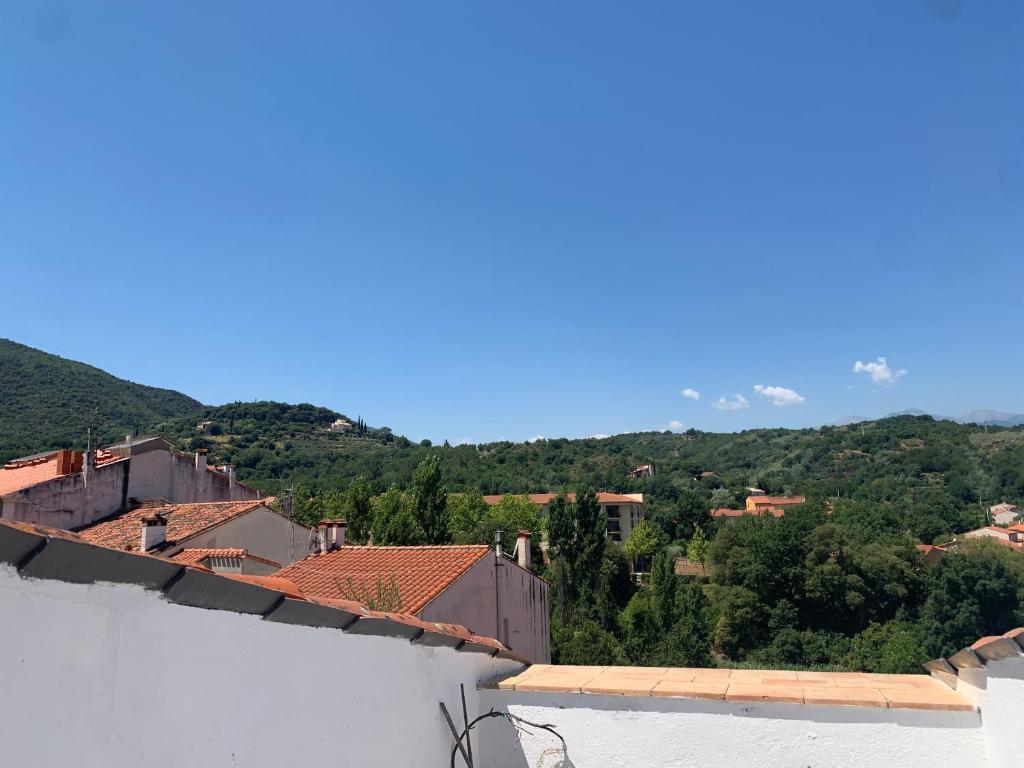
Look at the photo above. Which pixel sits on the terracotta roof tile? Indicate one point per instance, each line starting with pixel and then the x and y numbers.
pixel 183 522
pixel 743 685
pixel 420 573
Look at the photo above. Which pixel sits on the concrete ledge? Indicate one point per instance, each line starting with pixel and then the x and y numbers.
pixel 18 541
pixel 437 639
pixel 82 563
pixel 381 624
pixel 310 614
pixel 203 589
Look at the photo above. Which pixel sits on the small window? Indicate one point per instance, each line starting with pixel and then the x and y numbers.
pixel 614 526
pixel 612 510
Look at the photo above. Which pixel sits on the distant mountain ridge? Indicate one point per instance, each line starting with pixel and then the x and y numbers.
pixel 49 402
pixel 980 416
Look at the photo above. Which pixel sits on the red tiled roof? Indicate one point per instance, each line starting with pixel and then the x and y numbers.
pixel 199 555
pixel 19 474
pixel 183 522
pixel 543 499
pixel 420 573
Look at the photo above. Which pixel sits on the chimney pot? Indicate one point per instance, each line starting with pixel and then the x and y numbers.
pixel 498 537
pixel 331 535
pixel 523 549
pixel 154 531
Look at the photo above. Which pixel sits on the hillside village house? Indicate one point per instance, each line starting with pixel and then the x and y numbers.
pixel 484 590
pixel 70 489
pixel 1012 537
pixel 114 645
pixel 225 536
pixel 621 510
pixel 644 470
pixel 1004 514
pixel 761 504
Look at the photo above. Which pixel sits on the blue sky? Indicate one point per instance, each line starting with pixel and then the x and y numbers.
pixel 481 221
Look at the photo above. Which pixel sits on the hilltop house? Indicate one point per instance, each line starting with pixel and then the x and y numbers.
pixel 621 510
pixel 70 489
pixel 229 536
pixel 644 470
pixel 485 591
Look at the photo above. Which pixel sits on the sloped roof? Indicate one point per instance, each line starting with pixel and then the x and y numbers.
pixel 420 573
pixel 183 522
pixel 200 555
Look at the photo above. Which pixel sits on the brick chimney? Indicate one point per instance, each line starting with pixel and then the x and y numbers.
pixel 154 531
pixel 330 535
pixel 523 549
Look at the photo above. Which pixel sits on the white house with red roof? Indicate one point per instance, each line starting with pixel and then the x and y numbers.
pixel 484 590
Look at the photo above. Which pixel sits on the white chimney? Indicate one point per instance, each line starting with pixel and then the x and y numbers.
pixel 330 535
pixel 201 462
pixel 498 537
pixel 523 549
pixel 154 531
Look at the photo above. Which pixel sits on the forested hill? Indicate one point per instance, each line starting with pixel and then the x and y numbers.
pixel 49 402
pixel 938 472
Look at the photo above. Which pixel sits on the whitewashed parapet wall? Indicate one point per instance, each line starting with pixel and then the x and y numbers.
pixel 607 731
pixel 991 673
pixel 125 674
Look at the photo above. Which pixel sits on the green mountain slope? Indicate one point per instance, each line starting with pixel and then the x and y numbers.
pixel 49 402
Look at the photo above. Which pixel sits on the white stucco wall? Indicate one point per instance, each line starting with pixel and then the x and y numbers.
pixel 621 732
pixel 113 675
pixel 998 688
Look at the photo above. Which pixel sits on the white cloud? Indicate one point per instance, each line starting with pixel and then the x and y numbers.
pixel 598 437
pixel 690 393
pixel 536 438
pixel 734 403
pixel 673 426
pixel 880 372
pixel 780 396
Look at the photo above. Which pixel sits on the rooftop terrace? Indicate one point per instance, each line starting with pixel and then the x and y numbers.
pixel 114 646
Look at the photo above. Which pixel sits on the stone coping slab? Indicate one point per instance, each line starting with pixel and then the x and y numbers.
pixel 860 689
